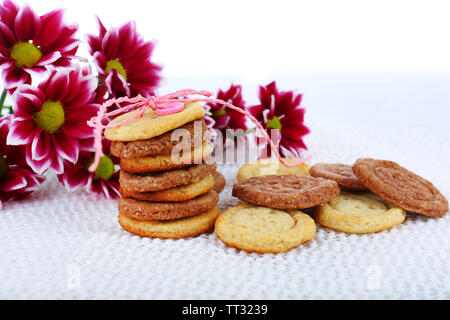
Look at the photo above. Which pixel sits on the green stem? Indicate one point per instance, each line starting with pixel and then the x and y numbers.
pixel 2 100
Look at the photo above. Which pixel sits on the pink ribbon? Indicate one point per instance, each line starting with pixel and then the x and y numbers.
pixel 164 105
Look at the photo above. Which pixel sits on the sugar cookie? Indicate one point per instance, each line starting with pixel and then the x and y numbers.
pixel 171 229
pixel 401 187
pixel 151 124
pixel 169 162
pixel 341 173
pixel 149 211
pixel 286 192
pixel 264 230
pixel 176 194
pixel 359 213
pixel 268 167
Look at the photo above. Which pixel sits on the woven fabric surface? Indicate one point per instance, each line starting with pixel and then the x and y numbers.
pixel 61 245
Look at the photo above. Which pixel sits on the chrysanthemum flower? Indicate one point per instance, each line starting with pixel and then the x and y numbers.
pixel 228 118
pixel 104 181
pixel 51 119
pixel 17 180
pixel 29 43
pixel 281 111
pixel 123 60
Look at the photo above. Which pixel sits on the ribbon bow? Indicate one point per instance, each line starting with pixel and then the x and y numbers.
pixel 164 105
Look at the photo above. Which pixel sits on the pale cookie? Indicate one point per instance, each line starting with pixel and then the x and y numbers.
pixel 359 213
pixel 177 194
pixel 171 229
pixel 268 167
pixel 264 230
pixel 169 162
pixel 151 124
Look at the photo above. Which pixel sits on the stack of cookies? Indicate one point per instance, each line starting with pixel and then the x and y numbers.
pixel 168 182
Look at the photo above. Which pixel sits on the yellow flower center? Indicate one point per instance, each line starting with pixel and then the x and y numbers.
pixel 116 65
pixel 105 168
pixel 274 123
pixel 4 167
pixel 25 54
pixel 219 113
pixel 51 117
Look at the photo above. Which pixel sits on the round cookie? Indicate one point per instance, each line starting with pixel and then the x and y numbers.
pixel 150 211
pixel 176 194
pixel 151 124
pixel 161 145
pixel 268 167
pixel 401 187
pixel 168 162
pixel 359 213
pixel 220 181
pixel 157 181
pixel 171 229
pixel 264 230
pixel 286 192
pixel 341 173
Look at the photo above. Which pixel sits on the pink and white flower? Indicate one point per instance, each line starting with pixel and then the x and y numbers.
pixel 51 120
pixel 104 181
pixel 281 112
pixel 123 60
pixel 29 43
pixel 17 180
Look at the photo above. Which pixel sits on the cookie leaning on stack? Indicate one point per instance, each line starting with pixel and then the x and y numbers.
pixel 167 182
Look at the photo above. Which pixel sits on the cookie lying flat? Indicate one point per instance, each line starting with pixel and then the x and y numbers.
pixel 268 167
pixel 161 145
pixel 359 213
pixel 162 163
pixel 172 229
pixel 151 124
pixel 401 187
pixel 286 192
pixel 341 173
pixel 264 230
pixel 157 181
pixel 150 211
pixel 176 194
pixel 220 181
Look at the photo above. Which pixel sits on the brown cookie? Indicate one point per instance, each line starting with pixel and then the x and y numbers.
pixel 341 173
pixel 151 211
pixel 181 193
pixel 161 145
pixel 286 192
pixel 401 187
pixel 220 181
pixel 157 181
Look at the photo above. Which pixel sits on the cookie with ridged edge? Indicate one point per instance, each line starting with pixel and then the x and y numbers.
pixel 359 213
pixel 341 173
pixel 401 187
pixel 151 124
pixel 181 193
pixel 268 167
pixel 160 145
pixel 169 162
pixel 172 229
pixel 150 211
pixel 220 181
pixel 264 230
pixel 157 181
pixel 286 192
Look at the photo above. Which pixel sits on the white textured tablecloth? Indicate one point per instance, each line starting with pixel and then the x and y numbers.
pixel 61 245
